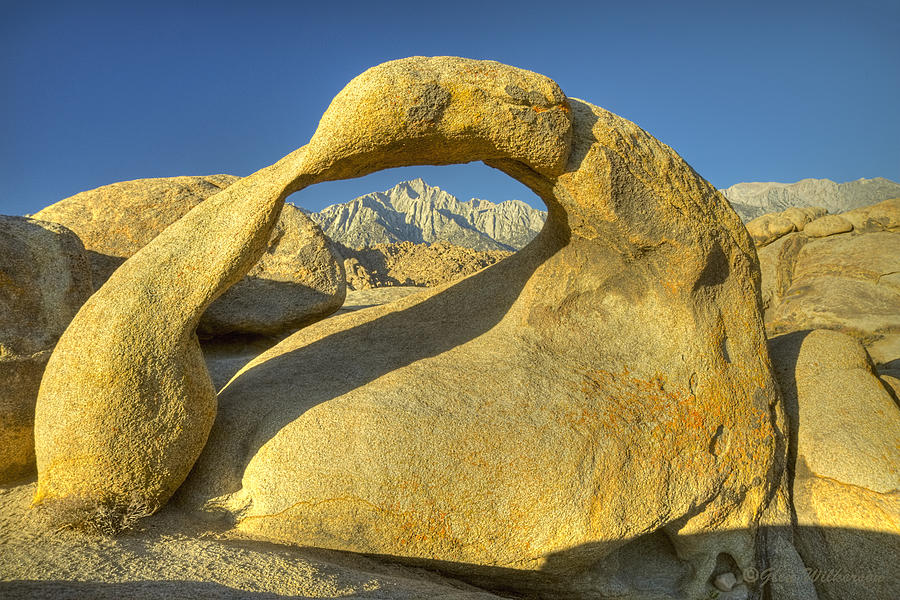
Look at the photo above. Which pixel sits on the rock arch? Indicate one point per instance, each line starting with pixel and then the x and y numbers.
pixel 607 381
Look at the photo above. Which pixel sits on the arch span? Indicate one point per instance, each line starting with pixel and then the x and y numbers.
pixel 574 396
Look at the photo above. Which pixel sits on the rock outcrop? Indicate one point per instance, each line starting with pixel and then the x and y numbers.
pixel 608 382
pixel 828 225
pixel 413 211
pixel 840 272
pixel 297 280
pixel 767 228
pixel 408 264
pixel 845 282
pixel 884 216
pixel 846 464
pixel 126 402
pixel 44 279
pixel 752 200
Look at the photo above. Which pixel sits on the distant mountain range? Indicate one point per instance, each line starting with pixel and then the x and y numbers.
pixel 413 211
pixel 751 200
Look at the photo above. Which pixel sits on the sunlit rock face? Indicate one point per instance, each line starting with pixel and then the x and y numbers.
pixel 845 279
pixel 44 279
pixel 297 280
pixel 607 382
pixel 846 463
pixel 126 401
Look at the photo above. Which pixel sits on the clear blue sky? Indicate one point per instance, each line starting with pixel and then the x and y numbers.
pixel 98 92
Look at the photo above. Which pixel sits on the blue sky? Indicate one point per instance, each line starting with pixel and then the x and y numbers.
pixel 98 92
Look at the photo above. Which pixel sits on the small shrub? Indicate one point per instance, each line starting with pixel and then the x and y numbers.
pixel 107 517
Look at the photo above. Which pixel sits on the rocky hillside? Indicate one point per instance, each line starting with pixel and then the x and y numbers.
pixel 755 199
pixel 413 211
pixel 408 264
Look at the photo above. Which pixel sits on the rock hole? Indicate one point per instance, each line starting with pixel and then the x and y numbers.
pixel 412 213
pixel 726 574
pixel 715 444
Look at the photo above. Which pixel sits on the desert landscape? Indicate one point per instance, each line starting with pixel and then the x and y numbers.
pixel 654 389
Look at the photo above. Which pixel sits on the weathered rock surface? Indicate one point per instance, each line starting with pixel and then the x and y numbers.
pixel 752 200
pixel 296 281
pixel 801 216
pixel 413 211
pixel 408 264
pixel 768 228
pixel 115 221
pixel 846 282
pixel 814 222
pixel 359 277
pixel 848 427
pixel 846 474
pixel 126 401
pixel 44 279
pixel 776 263
pixel 607 382
pixel 884 216
pixel 828 225
pixel 20 379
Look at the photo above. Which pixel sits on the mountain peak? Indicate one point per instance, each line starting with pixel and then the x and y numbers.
pixel 412 189
pixel 417 212
pixel 418 184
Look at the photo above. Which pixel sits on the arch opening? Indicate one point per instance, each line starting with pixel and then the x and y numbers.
pixel 411 228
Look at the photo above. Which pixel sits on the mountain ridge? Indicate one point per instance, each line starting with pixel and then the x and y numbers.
pixel 756 198
pixel 416 212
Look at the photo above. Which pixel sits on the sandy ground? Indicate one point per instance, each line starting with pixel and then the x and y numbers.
pixel 172 556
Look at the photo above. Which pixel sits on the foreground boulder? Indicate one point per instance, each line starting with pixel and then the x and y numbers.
pixel 608 382
pixel 44 279
pixel 126 401
pixel 298 279
pixel 846 472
